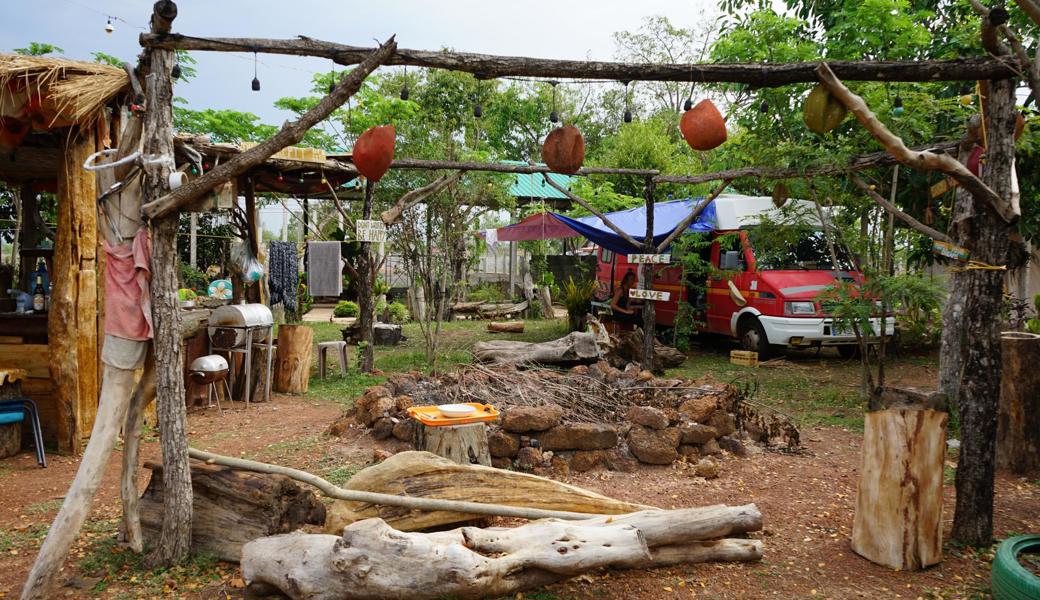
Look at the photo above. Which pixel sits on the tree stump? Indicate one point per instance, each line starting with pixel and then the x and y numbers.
pixel 898 520
pixel 1018 416
pixel 463 444
pixel 233 507
pixel 292 361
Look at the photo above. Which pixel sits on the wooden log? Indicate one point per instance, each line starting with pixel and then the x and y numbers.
pixel 465 308
pixel 574 348
pixel 898 521
pixel 498 311
pixel 1018 415
pixel 424 475
pixel 232 507
pixel 292 359
pixel 506 327
pixel 464 444
pixel 371 560
pixel 629 348
pixel 144 394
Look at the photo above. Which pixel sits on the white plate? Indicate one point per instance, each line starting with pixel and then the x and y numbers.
pixel 456 410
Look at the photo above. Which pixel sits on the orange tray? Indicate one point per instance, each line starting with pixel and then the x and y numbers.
pixel 431 416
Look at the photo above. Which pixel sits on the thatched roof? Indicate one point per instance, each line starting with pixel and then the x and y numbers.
pixel 56 92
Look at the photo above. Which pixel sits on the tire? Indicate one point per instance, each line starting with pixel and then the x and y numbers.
pixel 1010 580
pixel 848 351
pixel 752 337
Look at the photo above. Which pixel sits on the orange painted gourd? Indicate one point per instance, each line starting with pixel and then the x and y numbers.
pixel 703 127
pixel 564 150
pixel 374 151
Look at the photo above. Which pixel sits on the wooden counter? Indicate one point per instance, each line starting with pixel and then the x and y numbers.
pixel 32 328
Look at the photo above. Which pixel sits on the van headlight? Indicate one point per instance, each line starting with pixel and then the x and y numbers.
pixel 799 308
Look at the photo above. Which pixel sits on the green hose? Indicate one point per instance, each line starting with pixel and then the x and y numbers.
pixel 1010 580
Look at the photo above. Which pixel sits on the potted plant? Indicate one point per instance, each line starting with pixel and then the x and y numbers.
pixel 187 297
pixel 577 298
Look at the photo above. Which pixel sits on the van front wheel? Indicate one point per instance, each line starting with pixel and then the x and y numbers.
pixel 753 337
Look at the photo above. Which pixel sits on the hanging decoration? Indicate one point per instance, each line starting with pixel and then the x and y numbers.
pixel 175 72
pixel 703 127
pixel 554 117
pixel 764 107
pixel 564 150
pixel 966 98
pixel 627 118
pixel 374 151
pixel 823 112
pixel 478 110
pixel 332 84
pixel 897 106
pixel 109 28
pixel 780 194
pixel 404 88
pixel 256 80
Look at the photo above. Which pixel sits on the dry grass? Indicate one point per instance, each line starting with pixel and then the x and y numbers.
pixel 71 91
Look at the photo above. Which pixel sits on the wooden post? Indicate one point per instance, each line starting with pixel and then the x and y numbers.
pixel 292 363
pixel 1018 417
pixel 366 279
pixel 649 318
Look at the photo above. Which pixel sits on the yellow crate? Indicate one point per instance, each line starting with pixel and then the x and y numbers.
pixel 744 357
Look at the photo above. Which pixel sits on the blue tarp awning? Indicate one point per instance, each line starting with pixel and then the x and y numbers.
pixel 667 215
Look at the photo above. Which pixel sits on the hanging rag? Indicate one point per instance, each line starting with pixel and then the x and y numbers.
pixel 324 269
pixel 491 237
pixel 283 274
pixel 128 298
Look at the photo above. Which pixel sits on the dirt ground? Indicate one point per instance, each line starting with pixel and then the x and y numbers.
pixel 807 501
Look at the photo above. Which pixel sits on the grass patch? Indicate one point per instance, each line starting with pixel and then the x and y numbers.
pixel 341 475
pixel 113 564
pixel 44 507
pixel 13 541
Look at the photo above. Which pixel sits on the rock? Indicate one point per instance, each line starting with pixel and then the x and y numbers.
pixel 403 403
pixel 579 436
pixel 699 410
pixel 672 414
pixel 689 452
pixel 404 384
pixel 373 404
pixel 616 461
pixel 501 463
pixel 706 468
pixel 558 467
pixel 587 460
pixel 631 371
pixel 528 458
pixel 502 444
pixel 644 375
pixel 648 416
pixel 379 455
pixel 710 448
pixel 522 419
pixel 723 421
pixel 604 372
pixel 382 428
pixel 732 445
pixel 652 446
pixel 580 370
pixel 342 425
pixel 404 430
pixel 696 433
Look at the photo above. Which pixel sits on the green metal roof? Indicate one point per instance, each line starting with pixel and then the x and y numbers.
pixel 533 186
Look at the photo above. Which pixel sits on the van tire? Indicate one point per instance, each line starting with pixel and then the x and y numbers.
pixel 848 351
pixel 752 337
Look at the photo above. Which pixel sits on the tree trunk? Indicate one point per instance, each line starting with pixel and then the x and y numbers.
pixel 980 382
pixel 574 348
pixel 464 444
pixel 506 327
pixel 366 303
pixel 1018 418
pixel 649 318
pixel 898 521
pixel 545 298
pixel 951 344
pixel 292 362
pixel 233 507
pixel 144 394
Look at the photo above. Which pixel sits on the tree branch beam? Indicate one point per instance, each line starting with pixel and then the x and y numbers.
pixel 290 133
pixel 487 66
pixel 923 160
pixel 902 216
pixel 696 212
pixel 413 197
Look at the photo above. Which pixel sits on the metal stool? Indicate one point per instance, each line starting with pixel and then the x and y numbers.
pixel 14 411
pixel 341 352
pixel 208 370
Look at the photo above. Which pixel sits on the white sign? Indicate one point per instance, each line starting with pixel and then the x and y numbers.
pixel 643 259
pixel 371 231
pixel 648 295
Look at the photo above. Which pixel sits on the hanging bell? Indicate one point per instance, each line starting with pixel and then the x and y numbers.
pixel 256 84
pixel 628 116
pixel 404 93
pixel 478 110
pixel 688 104
pixel 176 71
pixel 554 117
pixel 897 106
pixel 764 107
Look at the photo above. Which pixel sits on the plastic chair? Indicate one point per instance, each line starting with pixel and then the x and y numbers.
pixel 14 411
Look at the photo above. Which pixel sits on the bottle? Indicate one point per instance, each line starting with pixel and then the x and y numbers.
pixel 39 296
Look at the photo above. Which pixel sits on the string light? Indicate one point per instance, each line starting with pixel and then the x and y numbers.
pixel 553 116
pixel 897 106
pixel 628 111
pixel 176 71
pixel 109 28
pixel 404 88
pixel 256 80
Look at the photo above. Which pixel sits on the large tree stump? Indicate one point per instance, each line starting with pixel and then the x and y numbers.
pixel 1018 416
pixel 463 444
pixel 292 360
pixel 233 507
pixel 898 520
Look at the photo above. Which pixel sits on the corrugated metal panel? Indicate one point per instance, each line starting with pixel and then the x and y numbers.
pixel 534 186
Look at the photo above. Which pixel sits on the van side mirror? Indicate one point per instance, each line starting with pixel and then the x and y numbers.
pixel 730 260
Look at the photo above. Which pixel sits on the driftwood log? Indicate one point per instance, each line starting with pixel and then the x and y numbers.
pixel 498 311
pixel 465 445
pixel 372 560
pixel 292 359
pixel 1018 416
pixel 898 521
pixel 572 349
pixel 506 327
pixel 232 507
pixel 629 348
pixel 421 474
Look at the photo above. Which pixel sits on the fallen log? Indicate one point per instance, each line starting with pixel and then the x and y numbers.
pixel 467 308
pixel 232 507
pixel 506 327
pixel 574 348
pixel 498 311
pixel 372 560
pixel 421 474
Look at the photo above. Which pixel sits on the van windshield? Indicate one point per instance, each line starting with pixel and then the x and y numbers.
pixel 807 252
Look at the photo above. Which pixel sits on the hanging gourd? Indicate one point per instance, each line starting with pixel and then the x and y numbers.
pixel 823 112
pixel 564 150
pixel 780 194
pixel 374 151
pixel 1020 125
pixel 703 126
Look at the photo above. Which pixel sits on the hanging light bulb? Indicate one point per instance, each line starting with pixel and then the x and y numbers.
pixel 554 116
pixel 109 28
pixel 478 110
pixel 897 106
pixel 256 80
pixel 280 178
pixel 627 117
pixel 764 107
pixel 175 72
pixel 688 104
pixel 404 88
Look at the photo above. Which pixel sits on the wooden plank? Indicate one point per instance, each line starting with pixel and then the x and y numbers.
pixel 86 352
pixel 11 339
pixel 34 358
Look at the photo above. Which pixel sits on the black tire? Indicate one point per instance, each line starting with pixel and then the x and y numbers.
pixel 752 337
pixel 1010 580
pixel 848 351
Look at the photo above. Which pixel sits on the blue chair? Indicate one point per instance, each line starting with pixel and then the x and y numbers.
pixel 14 411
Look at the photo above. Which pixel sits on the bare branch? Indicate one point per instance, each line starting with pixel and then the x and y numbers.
pixel 1031 8
pixel 902 216
pixel 413 197
pixel 681 227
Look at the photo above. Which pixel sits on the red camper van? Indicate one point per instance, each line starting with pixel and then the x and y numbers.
pixel 770 303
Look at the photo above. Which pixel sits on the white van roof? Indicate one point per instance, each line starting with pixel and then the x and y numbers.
pixel 737 211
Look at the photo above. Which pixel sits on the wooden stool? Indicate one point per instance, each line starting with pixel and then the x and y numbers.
pixel 341 351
